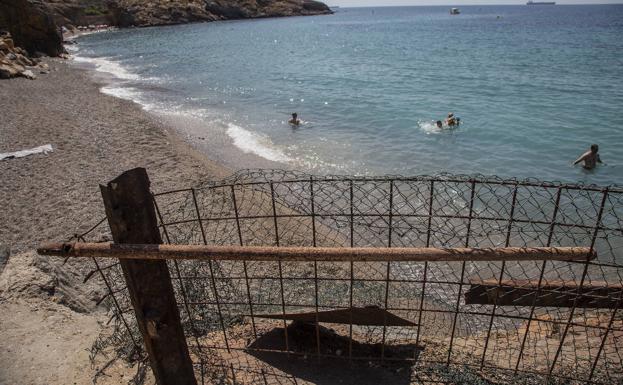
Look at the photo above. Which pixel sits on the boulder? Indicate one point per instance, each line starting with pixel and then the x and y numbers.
pixel 23 60
pixel 18 67
pixel 7 71
pixel 28 74
pixel 31 26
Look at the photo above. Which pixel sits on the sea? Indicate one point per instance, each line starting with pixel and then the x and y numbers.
pixel 534 87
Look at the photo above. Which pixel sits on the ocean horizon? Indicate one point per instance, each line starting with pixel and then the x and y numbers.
pixel 534 88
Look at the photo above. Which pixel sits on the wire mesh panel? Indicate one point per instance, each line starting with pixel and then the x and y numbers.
pixel 509 322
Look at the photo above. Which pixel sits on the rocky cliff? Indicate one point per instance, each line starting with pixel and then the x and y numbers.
pixel 31 26
pixel 34 24
pixel 141 13
pixel 15 62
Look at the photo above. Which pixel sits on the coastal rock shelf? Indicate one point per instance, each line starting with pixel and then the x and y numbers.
pixel 15 61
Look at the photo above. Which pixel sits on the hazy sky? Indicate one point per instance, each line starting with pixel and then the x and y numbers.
pixel 359 3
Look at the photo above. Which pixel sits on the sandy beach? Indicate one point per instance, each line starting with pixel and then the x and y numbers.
pixel 48 319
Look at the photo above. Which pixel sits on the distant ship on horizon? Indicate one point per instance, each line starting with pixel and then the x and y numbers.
pixel 541 3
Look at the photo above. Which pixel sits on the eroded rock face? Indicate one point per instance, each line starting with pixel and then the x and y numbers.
pixel 126 13
pixel 32 26
pixel 158 12
pixel 35 24
pixel 14 62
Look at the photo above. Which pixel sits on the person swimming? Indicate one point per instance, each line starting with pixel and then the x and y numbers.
pixel 590 158
pixel 451 121
pixel 295 121
pixel 439 124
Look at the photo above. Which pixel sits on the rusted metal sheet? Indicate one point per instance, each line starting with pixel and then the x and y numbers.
pixel 333 254
pixel 366 316
pixel 551 293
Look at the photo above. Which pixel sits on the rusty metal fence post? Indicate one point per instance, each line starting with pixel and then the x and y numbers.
pixel 132 219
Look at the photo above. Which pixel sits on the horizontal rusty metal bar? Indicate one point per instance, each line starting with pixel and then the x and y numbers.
pixel 332 254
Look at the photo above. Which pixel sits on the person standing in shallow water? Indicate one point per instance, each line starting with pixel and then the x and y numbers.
pixel 295 120
pixel 590 158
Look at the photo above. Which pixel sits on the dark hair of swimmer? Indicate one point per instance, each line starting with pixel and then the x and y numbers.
pixel 438 123
pixel 294 115
pixel 594 148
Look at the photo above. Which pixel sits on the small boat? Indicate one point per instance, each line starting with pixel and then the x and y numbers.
pixel 455 11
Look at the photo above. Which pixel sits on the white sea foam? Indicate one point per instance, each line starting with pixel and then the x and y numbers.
pixel 257 144
pixel 128 93
pixel 429 127
pixel 106 65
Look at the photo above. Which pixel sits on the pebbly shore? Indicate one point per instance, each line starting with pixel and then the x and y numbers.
pixel 94 138
pixel 48 318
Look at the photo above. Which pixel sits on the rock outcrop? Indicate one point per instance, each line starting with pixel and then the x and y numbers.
pixel 127 13
pixel 32 26
pixel 142 13
pixel 15 61
pixel 258 8
pixel 35 24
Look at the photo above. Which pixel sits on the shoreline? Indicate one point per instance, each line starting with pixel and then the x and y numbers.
pixel 94 138
pixel 220 141
pixel 44 304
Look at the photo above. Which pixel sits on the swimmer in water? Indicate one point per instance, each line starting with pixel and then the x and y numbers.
pixel 590 158
pixel 439 124
pixel 295 120
pixel 451 120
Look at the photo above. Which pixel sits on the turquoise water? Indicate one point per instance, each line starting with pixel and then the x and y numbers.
pixel 533 86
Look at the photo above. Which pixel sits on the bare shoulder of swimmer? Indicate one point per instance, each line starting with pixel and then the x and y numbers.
pixel 583 157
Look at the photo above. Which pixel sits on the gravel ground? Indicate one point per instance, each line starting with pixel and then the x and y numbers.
pixel 47 320
pixel 95 137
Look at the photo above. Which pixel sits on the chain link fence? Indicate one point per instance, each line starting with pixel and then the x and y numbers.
pixel 234 313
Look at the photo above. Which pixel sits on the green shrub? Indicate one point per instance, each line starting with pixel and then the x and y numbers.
pixel 94 10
